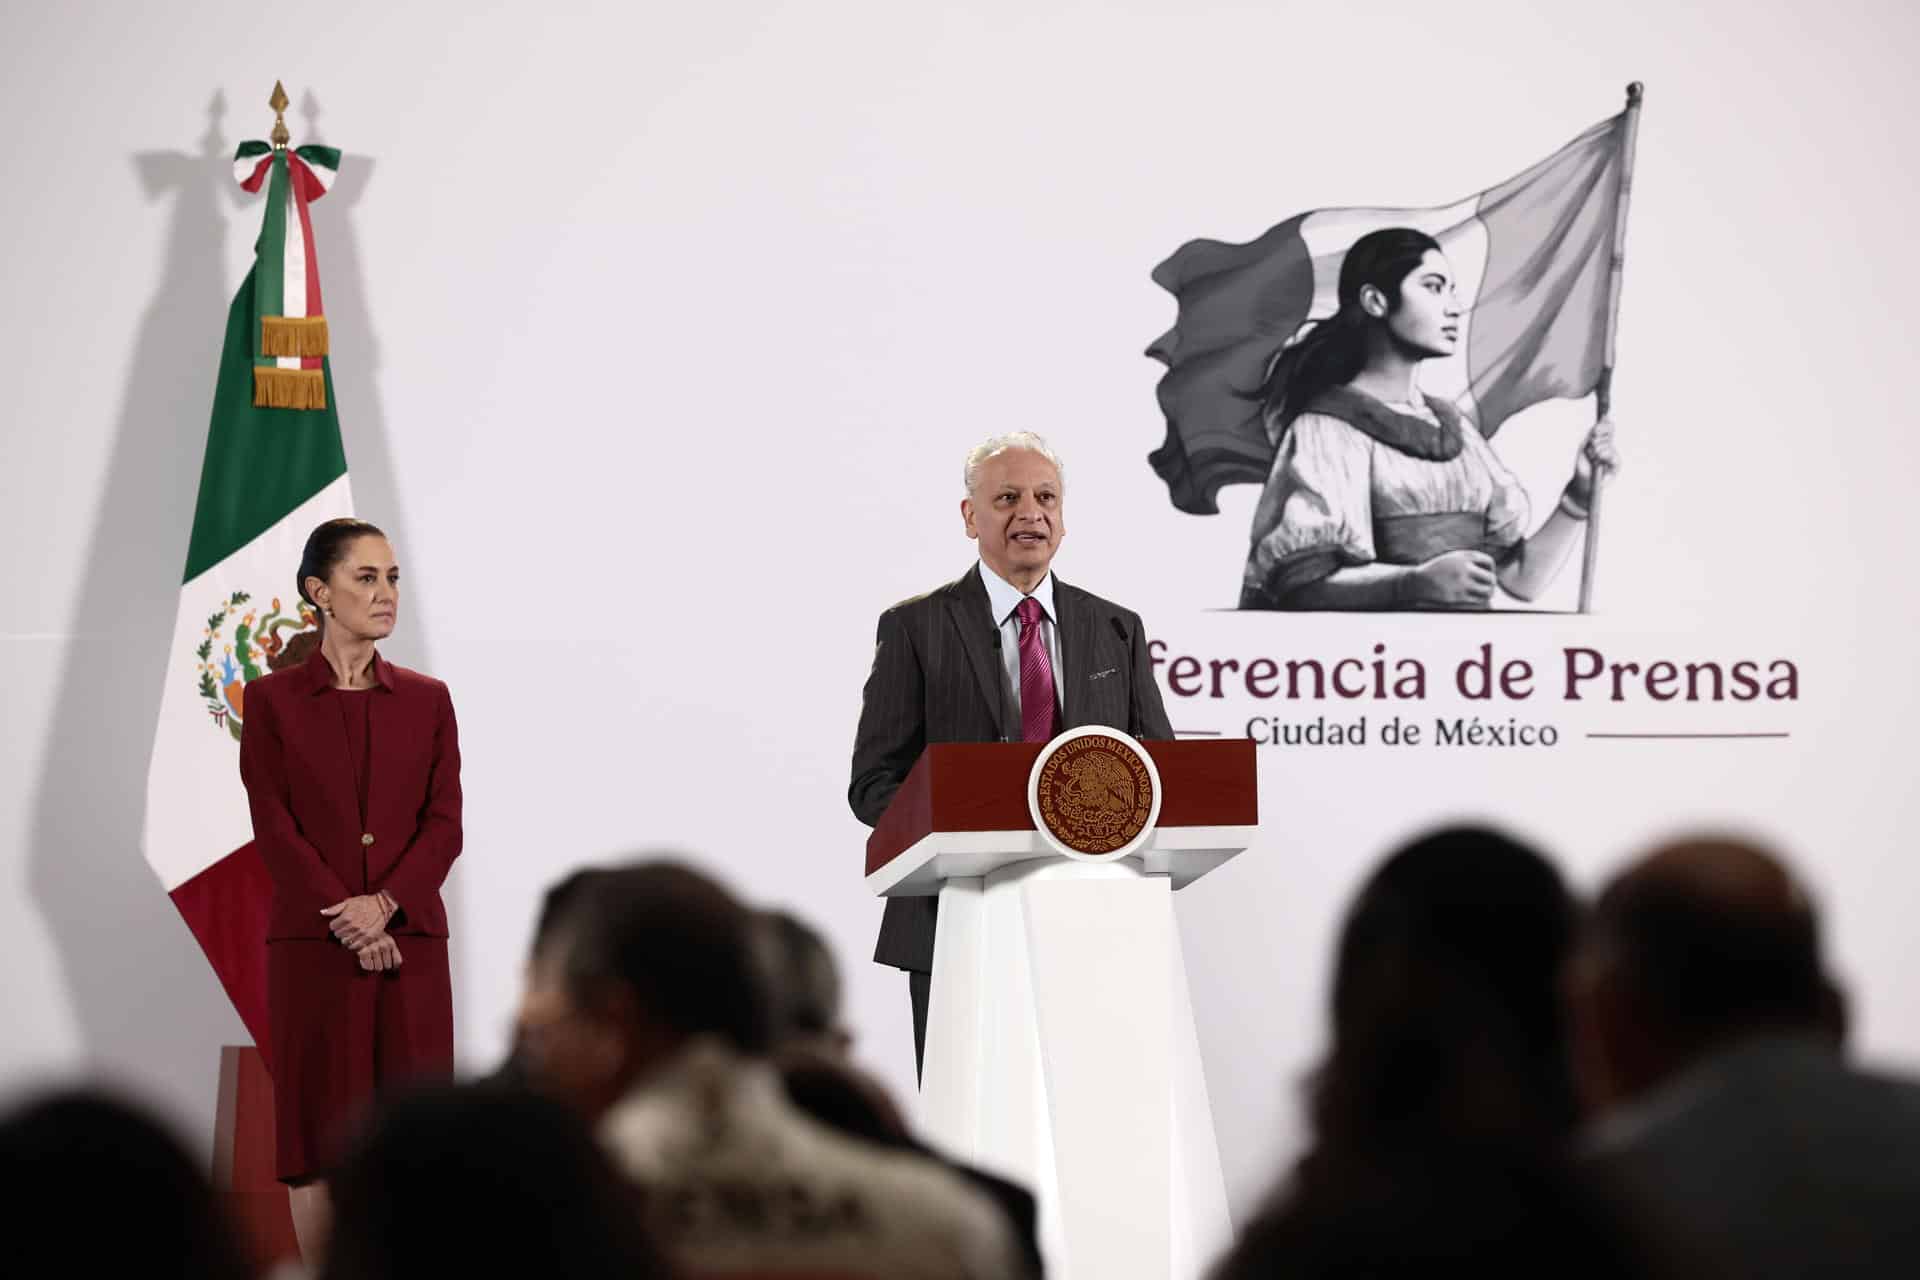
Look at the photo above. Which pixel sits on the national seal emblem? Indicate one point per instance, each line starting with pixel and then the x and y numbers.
pixel 226 661
pixel 1094 793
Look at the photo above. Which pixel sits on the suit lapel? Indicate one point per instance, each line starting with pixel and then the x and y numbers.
pixel 973 618
pixel 321 725
pixel 1076 651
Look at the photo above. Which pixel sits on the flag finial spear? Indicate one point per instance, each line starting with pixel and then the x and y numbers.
pixel 1634 91
pixel 279 102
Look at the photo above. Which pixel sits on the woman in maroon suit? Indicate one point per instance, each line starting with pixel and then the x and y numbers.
pixel 352 770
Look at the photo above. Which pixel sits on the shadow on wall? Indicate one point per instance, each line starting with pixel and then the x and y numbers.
pixel 147 1005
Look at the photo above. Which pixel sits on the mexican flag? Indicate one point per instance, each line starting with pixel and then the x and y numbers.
pixel 1534 257
pixel 274 469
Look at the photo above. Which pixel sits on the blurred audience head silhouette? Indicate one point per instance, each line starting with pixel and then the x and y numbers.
pixel 1704 942
pixel 97 1187
pixel 651 1009
pixel 1446 1012
pixel 482 1180
pixel 1726 1119
pixel 804 981
pixel 632 963
pixel 1441 1110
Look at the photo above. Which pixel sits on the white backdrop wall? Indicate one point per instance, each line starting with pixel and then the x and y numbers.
pixel 660 330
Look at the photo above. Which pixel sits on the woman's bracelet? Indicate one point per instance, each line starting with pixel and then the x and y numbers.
pixel 1574 509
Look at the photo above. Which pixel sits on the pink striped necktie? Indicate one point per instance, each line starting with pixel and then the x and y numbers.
pixel 1038 714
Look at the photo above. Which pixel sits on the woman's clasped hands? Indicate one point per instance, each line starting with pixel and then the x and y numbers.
pixel 360 925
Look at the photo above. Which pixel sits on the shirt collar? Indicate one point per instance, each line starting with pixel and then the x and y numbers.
pixel 1003 597
pixel 320 675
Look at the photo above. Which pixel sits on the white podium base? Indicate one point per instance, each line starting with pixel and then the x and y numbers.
pixel 1061 1052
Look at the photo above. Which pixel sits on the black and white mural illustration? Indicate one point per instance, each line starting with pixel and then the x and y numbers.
pixel 1359 363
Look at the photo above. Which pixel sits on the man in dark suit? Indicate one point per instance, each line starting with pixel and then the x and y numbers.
pixel 1708 1036
pixel 1004 653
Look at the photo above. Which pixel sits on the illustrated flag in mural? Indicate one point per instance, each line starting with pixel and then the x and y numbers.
pixel 274 468
pixel 1532 256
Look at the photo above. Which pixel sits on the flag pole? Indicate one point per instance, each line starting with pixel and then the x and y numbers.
pixel 1603 389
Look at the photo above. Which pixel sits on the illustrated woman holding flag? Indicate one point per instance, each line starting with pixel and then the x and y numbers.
pixel 1379 497
pixel 352 770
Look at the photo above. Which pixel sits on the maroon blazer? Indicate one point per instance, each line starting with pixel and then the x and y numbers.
pixel 306 801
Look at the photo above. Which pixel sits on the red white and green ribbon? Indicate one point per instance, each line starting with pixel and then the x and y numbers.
pixel 290 337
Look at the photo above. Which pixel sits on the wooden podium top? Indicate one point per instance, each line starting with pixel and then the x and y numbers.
pixel 982 786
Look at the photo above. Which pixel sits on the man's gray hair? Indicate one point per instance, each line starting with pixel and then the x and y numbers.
pixel 996 445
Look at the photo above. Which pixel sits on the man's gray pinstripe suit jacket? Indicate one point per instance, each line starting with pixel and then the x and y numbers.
pixel 937 677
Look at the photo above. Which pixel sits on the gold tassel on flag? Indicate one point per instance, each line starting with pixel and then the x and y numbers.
pixel 289 388
pixel 293 335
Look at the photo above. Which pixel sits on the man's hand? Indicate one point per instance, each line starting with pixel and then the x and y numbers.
pixel 358 921
pixel 379 955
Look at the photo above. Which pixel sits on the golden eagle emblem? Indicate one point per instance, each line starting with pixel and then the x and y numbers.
pixel 1094 793
pixel 273 640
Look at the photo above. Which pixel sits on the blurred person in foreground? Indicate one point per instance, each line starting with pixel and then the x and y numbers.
pixel 1708 1040
pixel 812 1047
pixel 512 1073
pixel 648 1010
pixel 1439 1115
pixel 805 987
pixel 96 1187
pixel 483 1180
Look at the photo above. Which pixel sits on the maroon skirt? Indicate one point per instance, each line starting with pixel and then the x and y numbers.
pixel 343 1036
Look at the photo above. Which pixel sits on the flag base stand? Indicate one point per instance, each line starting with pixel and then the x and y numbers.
pixel 243 1159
